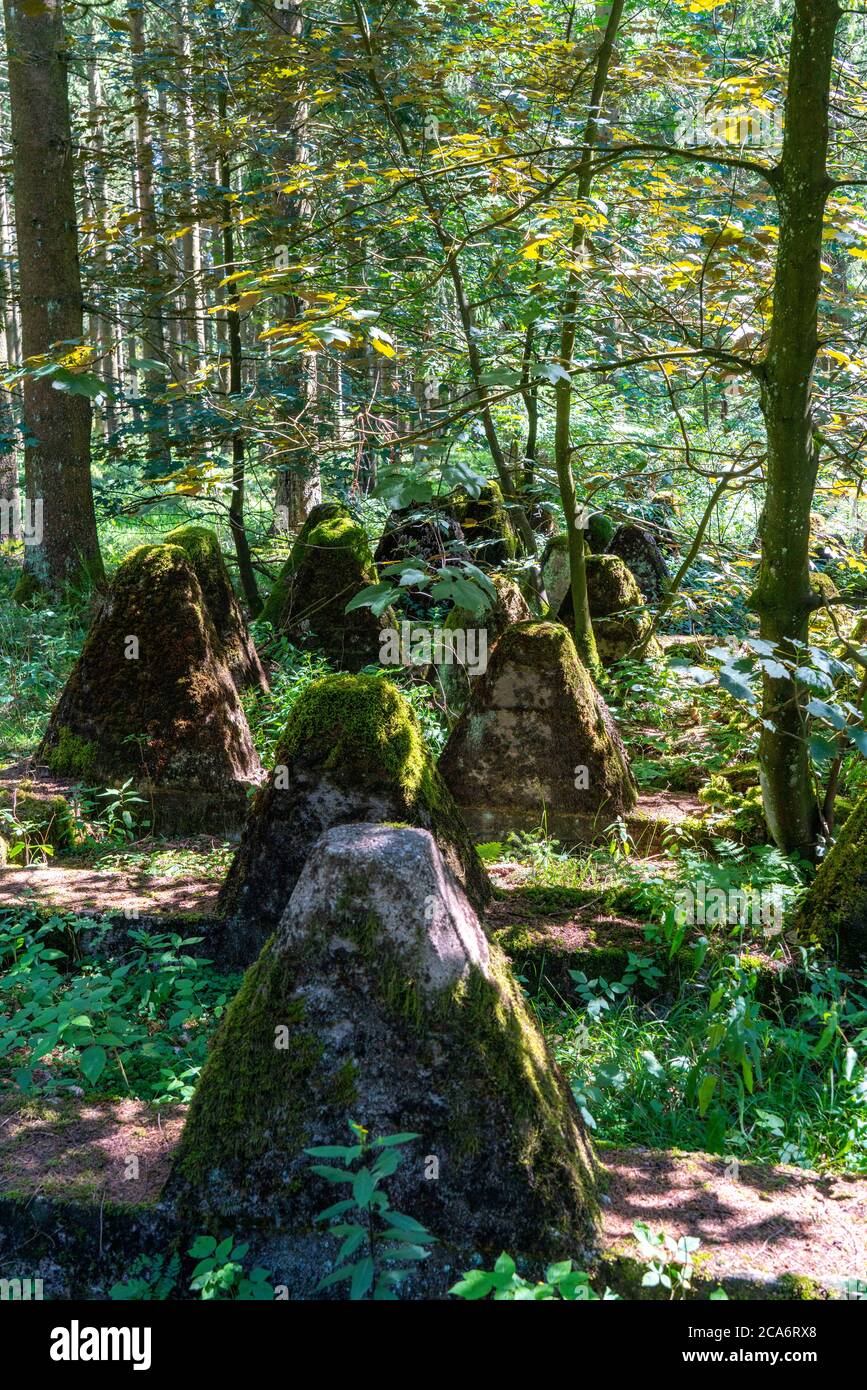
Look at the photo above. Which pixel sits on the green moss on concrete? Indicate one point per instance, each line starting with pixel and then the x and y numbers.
pixel 252 1094
pixel 742 803
pixel 49 817
pixel 363 732
pixel 164 713
pixel 28 590
pixel 202 548
pixel 359 725
pixel 498 1100
pixel 553 720
pixel 329 564
pixel 600 532
pixel 71 756
pixel 493 1029
pixel 834 907
pixel 621 622
pixel 823 585
pixel 356 736
pixel 330 536
pixel 486 525
pixel 800 1288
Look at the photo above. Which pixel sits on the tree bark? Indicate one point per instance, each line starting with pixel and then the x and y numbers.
pixel 782 594
pixel 298 484
pixel 64 548
pixel 103 327
pixel 583 628
pixel 194 308
pixel 153 326
pixel 239 480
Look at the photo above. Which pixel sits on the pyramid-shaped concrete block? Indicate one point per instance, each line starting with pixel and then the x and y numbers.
pixel 202 549
pixel 537 740
pixel 352 750
pixel 379 1000
pixel 150 699
pixel 330 563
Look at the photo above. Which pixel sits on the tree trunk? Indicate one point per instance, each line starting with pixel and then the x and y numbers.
pixel 236 505
pixel 63 545
pixel 103 325
pixel 583 628
pixel 782 594
pixel 298 483
pixel 194 308
pixel 153 326
pixel 10 497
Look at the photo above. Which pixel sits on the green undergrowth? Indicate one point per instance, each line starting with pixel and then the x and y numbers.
pixel 38 646
pixel 720 1034
pixel 714 1062
pixel 105 1026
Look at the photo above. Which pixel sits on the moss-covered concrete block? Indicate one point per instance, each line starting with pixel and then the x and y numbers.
pixel 599 532
pixel 555 571
pixel 480 633
pixel 352 750
pixel 379 1000
pixel 330 563
pixel 414 533
pixel 620 619
pixel 640 553
pixel 486 525
pixel 236 648
pixel 151 700
pixel 35 818
pixel 536 736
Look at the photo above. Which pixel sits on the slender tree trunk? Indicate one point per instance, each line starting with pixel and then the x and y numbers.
pixel 531 404
pixel 236 505
pixel 64 547
pixel 517 513
pixel 584 638
pixel 298 485
pixel 10 498
pixel 194 309
pixel 11 325
pixel 153 326
pixel 782 594
pixel 103 326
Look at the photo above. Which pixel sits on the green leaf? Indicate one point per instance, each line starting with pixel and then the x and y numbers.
pixel 363 1186
pixel 336 1151
pixel 859 738
pixel 705 1093
pixel 322 1170
pixel 351 1244
pixel 476 1283
pixel 93 1063
pixel 362 1278
pixel 736 685
pixel 201 1247
pixel 652 1064
pixel 820 709
pixel 376 597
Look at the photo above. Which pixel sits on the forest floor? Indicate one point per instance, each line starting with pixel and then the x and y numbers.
pixel 591 912
pixel 756 1222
